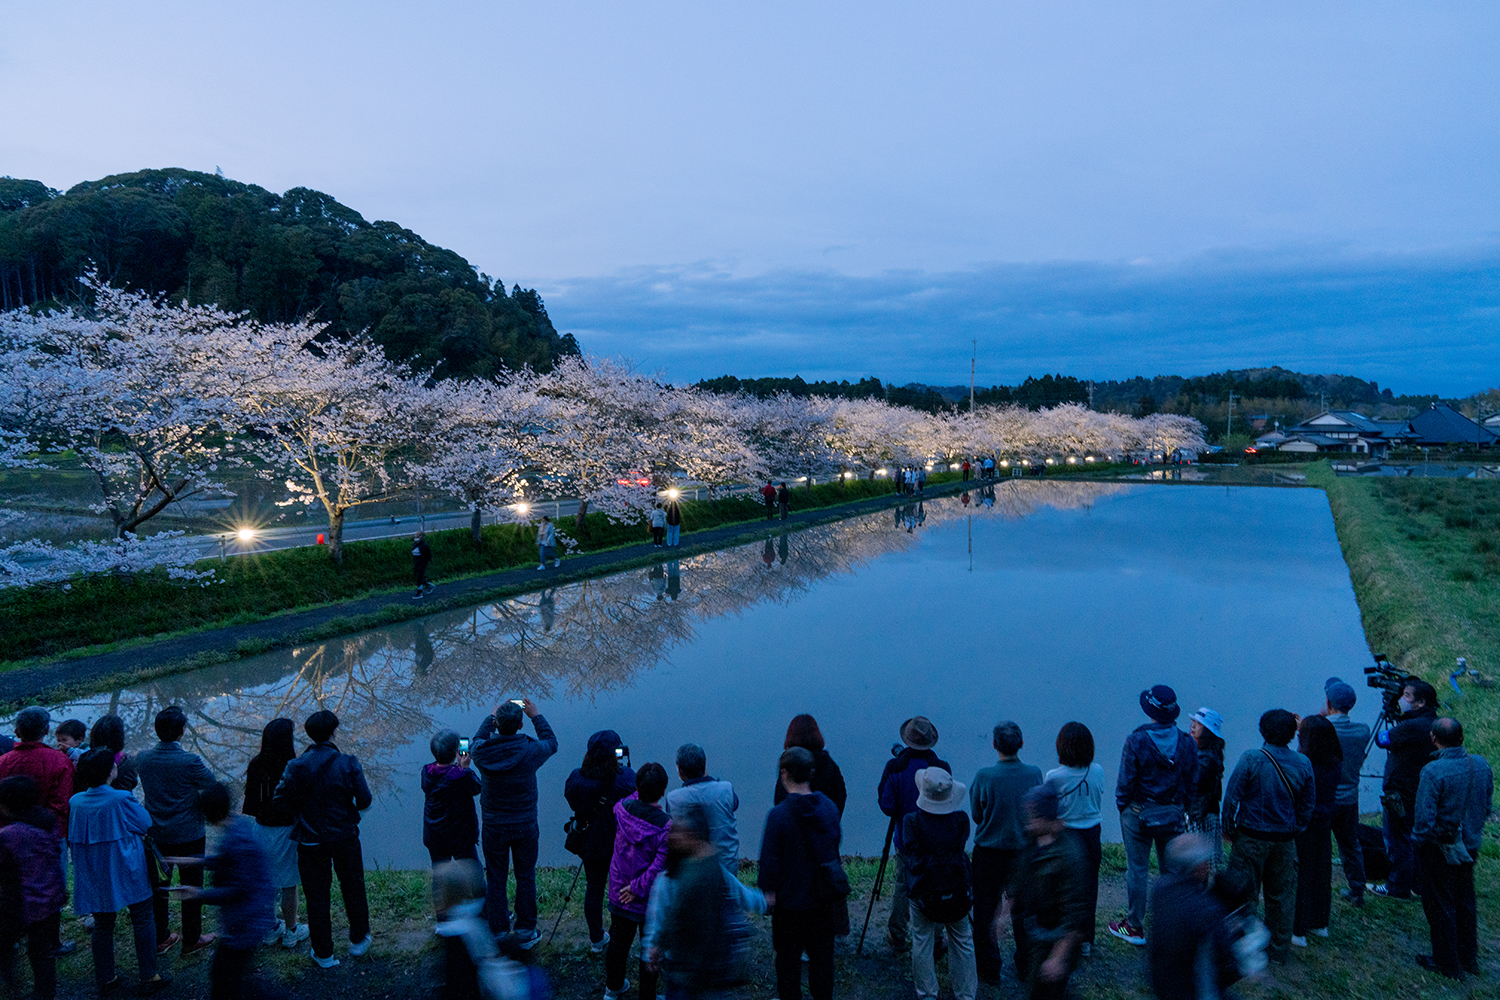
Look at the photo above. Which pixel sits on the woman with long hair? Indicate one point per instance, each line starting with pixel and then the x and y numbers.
pixel 592 790
pixel 1318 741
pixel 1079 782
pixel 109 733
pixel 273 826
pixel 803 732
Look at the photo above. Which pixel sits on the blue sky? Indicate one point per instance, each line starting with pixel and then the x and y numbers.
pixel 856 188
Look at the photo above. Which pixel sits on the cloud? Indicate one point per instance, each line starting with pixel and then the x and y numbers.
pixel 1418 322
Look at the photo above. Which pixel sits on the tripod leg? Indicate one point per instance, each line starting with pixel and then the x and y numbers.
pixel 566 900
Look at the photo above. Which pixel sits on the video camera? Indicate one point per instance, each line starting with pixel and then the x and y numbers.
pixel 1390 682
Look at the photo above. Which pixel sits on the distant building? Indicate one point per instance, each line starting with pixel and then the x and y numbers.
pixel 1258 421
pixel 1442 425
pixel 1345 431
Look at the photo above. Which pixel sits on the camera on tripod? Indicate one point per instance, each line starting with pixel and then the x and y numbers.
pixel 1390 682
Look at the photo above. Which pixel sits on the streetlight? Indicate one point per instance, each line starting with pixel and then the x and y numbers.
pixel 246 534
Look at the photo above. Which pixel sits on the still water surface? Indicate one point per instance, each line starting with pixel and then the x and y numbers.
pixel 1055 601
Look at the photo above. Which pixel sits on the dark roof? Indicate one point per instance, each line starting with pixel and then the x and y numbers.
pixel 1445 425
pixel 1352 422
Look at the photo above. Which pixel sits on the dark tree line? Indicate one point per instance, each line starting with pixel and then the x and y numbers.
pixel 207 239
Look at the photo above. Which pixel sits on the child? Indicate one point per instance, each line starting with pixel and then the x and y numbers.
pixel 641 830
pixel 449 827
pixel 242 889
pixel 470 953
pixel 70 737
pixel 32 893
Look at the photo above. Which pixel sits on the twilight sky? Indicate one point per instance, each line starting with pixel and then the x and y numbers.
pixel 844 189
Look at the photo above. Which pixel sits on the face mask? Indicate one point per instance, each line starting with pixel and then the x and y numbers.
pixel 1407 705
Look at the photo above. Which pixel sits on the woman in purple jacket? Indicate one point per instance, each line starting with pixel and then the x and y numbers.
pixel 641 829
pixel 31 884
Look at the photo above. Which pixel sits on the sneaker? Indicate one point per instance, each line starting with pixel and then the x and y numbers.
pixel 528 939
pixel 542 566
pixel 295 936
pixel 324 963
pixel 597 946
pixel 275 935
pixel 155 984
pixel 203 942
pixel 358 948
pixel 556 563
pixel 166 944
pixel 1354 898
pixel 429 587
pixel 610 994
pixel 1127 932
pixel 88 921
pixel 1319 931
pixel 1384 890
pixel 418 595
pixel 1298 941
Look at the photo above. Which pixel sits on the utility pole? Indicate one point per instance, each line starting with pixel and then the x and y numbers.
pixel 1091 394
pixel 973 363
pixel 1229 426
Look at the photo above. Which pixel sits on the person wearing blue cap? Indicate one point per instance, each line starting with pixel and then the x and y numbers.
pixel 1354 737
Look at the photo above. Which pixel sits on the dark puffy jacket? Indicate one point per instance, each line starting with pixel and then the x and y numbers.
pixel 801 833
pixel 325 790
pixel 827 778
pixel 593 802
pixel 1410 746
pixel 898 785
pixel 507 767
pixel 1159 766
pixel 674 513
pixel 1187 925
pixel 31 880
pixel 449 825
pixel 640 852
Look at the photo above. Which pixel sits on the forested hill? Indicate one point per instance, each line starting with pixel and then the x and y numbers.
pixel 207 239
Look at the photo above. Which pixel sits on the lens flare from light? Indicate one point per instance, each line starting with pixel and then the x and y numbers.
pixel 245 534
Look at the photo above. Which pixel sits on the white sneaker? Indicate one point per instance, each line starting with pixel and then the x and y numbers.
pixel 597 946
pixel 1298 941
pixel 358 948
pixel 295 936
pixel 1319 931
pixel 276 934
pixel 542 566
pixel 325 963
pixel 556 563
pixel 610 994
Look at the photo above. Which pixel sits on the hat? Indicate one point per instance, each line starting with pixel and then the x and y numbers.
pixel 1041 800
pixel 1341 696
pixel 605 739
pixel 937 792
pixel 919 733
pixel 1212 721
pixel 1160 702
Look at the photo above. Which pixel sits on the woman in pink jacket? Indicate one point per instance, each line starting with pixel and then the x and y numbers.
pixel 640 854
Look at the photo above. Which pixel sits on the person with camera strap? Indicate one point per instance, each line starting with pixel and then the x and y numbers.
pixel 1409 747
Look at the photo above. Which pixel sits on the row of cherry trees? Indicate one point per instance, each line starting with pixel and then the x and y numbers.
pixel 157 400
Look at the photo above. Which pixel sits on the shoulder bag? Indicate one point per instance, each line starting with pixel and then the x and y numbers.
pixel 1455 851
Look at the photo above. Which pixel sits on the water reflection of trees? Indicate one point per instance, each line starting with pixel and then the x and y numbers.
pixel 578 640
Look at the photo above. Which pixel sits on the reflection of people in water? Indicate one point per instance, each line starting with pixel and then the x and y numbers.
pixel 658 580
pixel 674 579
pixel 781 548
pixel 768 554
pixel 421 647
pixel 921 512
pixel 965 498
pixel 547 606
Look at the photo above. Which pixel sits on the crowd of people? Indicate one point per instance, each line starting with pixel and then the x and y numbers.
pixel 1009 861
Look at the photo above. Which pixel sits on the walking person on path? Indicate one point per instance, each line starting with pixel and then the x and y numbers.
pixel 783 500
pixel 1207 730
pixel 546 543
pixel 658 526
pixel 639 856
pixel 1268 801
pixel 326 790
pixel 1047 898
pixel 674 522
pixel 1080 794
pixel 592 791
pixel 999 838
pixel 898 799
pixel 717 799
pixel 508 760
pixel 171 779
pixel 1318 741
pixel 1158 776
pixel 802 836
pixel 421 556
pixel 939 885
pixel 1454 800
pixel 966 470
pixel 1354 737
pixel 768 494
pixel 273 826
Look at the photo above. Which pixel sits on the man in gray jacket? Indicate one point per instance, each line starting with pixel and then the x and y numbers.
pixel 171 779
pixel 1268 802
pixel 716 798
pixel 1454 798
pixel 1354 738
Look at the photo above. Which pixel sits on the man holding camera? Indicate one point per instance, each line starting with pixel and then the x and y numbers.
pixel 1409 746
pixel 508 760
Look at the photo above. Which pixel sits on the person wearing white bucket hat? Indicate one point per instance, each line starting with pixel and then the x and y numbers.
pixel 1207 731
pixel 939 886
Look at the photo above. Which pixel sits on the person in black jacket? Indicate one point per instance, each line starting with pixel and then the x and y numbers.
pixel 508 760
pixel 783 500
pixel 802 833
pixel 1409 746
pixel 450 829
pixel 326 791
pixel 421 556
pixel 273 826
pixel 592 790
pixel 1318 741
pixel 1187 925
pixel 1207 730
pixel 803 732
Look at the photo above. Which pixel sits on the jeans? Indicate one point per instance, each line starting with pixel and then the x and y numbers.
pixel 674 533
pixel 961 973
pixel 226 977
pixel 102 942
pixel 1272 866
pixel 898 925
pixel 1403 855
pixel 1452 912
pixel 595 881
pixel 500 848
pixel 1351 855
pixel 347 861
pixel 1138 841
pixel 1314 879
pixel 41 941
pixel 622 931
pixel 993 869
pixel 792 933
pixel 192 910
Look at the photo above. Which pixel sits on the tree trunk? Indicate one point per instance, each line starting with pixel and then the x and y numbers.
pixel 583 511
pixel 474 531
pixel 336 536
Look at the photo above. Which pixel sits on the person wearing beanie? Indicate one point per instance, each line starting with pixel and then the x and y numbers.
pixel 1158 776
pixel 939 886
pixel 1046 903
pixel 898 799
pixel 1354 737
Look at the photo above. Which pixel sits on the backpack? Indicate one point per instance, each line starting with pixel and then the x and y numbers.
pixel 942 889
